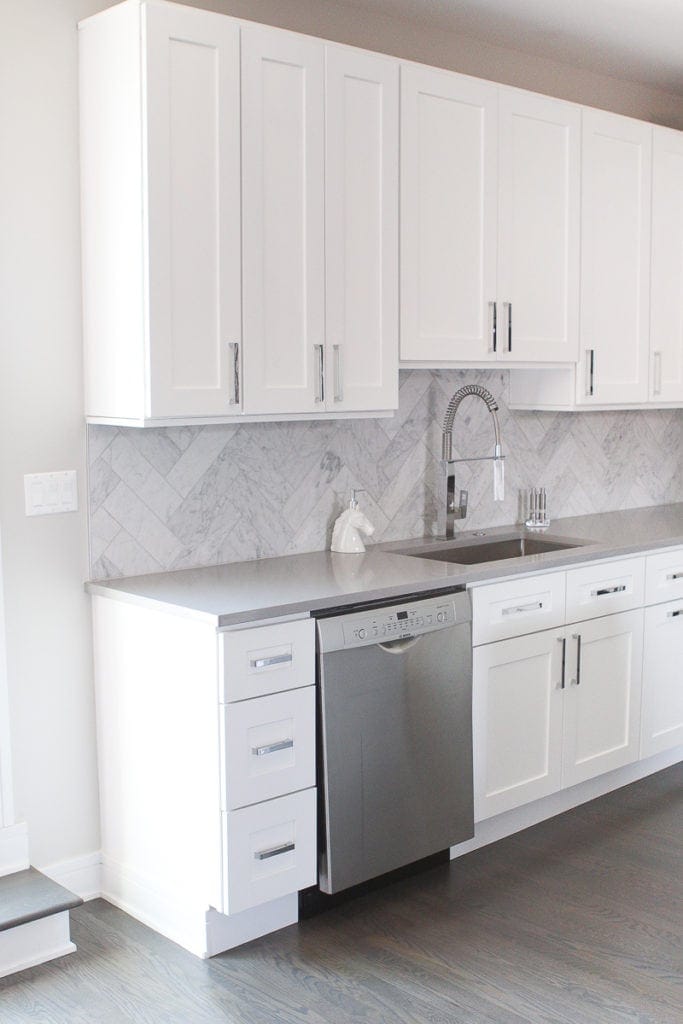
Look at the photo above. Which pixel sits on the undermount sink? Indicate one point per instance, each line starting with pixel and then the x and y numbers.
pixel 464 553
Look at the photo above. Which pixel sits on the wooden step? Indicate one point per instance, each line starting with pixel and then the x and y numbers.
pixel 29 896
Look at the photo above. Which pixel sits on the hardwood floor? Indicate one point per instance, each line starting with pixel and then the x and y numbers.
pixel 578 920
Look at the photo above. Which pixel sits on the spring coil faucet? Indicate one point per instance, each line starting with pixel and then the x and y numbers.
pixel 454 511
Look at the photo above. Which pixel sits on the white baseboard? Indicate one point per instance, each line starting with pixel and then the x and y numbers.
pixel 507 824
pixel 35 943
pixel 81 875
pixel 14 848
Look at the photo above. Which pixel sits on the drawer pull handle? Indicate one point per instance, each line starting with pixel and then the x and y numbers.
pixel 274 659
pixel 610 590
pixel 674 615
pixel 272 748
pixel 577 637
pixel 274 851
pixel 563 641
pixel 519 608
pixel 675 576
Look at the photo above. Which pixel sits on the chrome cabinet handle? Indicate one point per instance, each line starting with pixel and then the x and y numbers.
pixel 577 637
pixel 274 659
pixel 235 353
pixel 674 615
pixel 338 386
pixel 675 576
pixel 272 748
pixel 274 851
pixel 517 609
pixel 320 355
pixel 590 386
pixel 609 590
pixel 493 306
pixel 563 641
pixel 657 373
pixel 509 327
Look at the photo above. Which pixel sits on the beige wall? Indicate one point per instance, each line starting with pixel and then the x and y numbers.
pixel 413 40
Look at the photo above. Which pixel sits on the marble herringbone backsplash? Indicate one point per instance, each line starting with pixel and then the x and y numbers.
pixel 173 497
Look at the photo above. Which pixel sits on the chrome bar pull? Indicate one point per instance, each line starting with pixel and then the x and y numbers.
pixel 577 637
pixel 320 376
pixel 675 576
pixel 274 851
pixel 235 372
pixel 674 615
pixel 563 641
pixel 338 377
pixel 493 306
pixel 610 590
pixel 273 659
pixel 519 608
pixel 657 373
pixel 590 386
pixel 272 748
pixel 509 327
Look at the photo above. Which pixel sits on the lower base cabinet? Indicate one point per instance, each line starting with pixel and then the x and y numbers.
pixel 662 708
pixel 555 708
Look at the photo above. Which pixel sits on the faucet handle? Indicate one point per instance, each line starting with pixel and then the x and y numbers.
pixel 464 495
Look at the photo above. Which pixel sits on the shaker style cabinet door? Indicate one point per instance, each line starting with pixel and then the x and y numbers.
pixel 615 259
pixel 517 721
pixel 361 231
pixel 283 154
pixel 662 712
pixel 538 228
pixel 666 313
pixel 193 213
pixel 448 216
pixel 602 697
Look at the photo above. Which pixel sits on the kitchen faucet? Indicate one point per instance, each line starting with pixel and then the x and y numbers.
pixel 454 512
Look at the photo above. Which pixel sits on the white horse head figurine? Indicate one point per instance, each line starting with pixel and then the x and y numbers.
pixel 346 535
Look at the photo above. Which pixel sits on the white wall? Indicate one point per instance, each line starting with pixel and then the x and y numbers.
pixel 41 425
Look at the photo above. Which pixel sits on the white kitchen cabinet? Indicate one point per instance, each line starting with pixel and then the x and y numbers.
pixel 160 178
pixel 517 721
pixel 283 163
pixel 602 696
pixel 662 707
pixel 490 222
pixel 666 298
pixel 538 228
pixel 449 143
pixel 361 231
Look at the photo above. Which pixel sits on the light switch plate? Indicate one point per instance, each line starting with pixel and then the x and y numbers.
pixel 47 493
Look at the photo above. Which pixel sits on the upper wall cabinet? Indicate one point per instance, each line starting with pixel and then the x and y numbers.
pixel 489 222
pixel 225 272
pixel 160 180
pixel 666 295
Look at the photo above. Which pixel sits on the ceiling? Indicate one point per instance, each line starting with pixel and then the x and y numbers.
pixel 636 40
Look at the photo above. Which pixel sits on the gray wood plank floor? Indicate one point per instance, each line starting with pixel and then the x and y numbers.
pixel 578 920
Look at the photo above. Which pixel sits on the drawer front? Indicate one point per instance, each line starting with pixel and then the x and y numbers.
pixel 269 850
pixel 664 577
pixel 515 607
pixel 605 588
pixel 268 747
pixel 267 659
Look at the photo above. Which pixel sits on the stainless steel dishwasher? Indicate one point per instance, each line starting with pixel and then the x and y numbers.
pixel 395 688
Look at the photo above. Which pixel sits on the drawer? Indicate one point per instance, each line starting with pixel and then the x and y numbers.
pixel 267 659
pixel 269 850
pixel 514 607
pixel 604 588
pixel 268 747
pixel 664 576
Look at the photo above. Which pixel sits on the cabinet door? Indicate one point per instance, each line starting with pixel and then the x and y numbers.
pixel 538 227
pixel 662 712
pixel 361 230
pixel 283 150
pixel 517 721
pixel 448 215
pixel 666 315
pixel 193 210
pixel 615 259
pixel 602 697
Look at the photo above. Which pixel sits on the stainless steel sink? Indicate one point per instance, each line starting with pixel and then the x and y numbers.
pixel 475 552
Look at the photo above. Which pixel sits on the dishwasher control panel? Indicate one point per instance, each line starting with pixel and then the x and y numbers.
pixel 384 624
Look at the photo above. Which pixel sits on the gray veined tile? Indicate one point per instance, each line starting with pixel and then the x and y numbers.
pixel 142 478
pixel 98 440
pixel 198 457
pixel 102 480
pixel 103 529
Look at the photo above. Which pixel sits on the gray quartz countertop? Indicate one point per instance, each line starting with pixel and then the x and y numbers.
pixel 296 584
